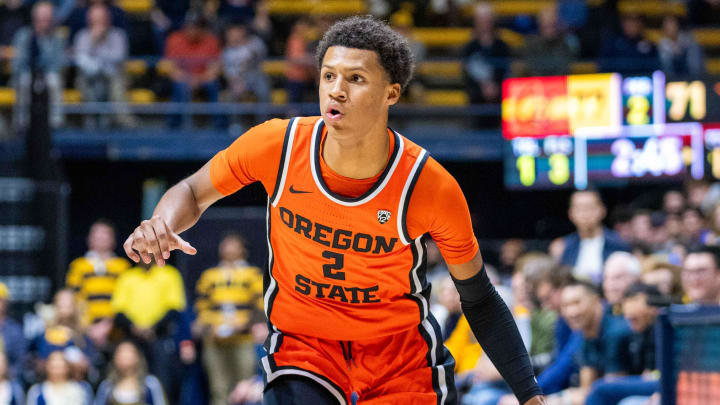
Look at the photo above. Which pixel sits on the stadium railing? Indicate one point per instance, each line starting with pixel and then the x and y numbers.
pixel 688 355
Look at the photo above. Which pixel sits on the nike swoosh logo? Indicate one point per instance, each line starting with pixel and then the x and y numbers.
pixel 292 190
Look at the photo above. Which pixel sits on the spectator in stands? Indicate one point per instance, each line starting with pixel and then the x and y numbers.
pixel 447 309
pixel 692 226
pixel 629 52
pixel 552 51
pixel 680 54
pixel 64 332
pixel 704 12
pixel 402 22
pixel 100 53
pixel 641 226
pixel 195 55
pixel 673 202
pixel 78 19
pixel 128 381
pixel 300 72
pixel 661 274
pixel 38 52
pixel 58 387
pixel 11 392
pixel 166 17
pixel 148 300
pixel 701 276
pixel 696 192
pixel 604 337
pixel 236 11
pixel 640 352
pixel 484 58
pixel 242 61
pixel 11 334
pixel 229 302
pixel 621 270
pixel 711 236
pixel 510 251
pixel 93 278
pixel 14 14
pixel 586 250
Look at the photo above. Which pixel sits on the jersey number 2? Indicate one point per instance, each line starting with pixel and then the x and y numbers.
pixel 330 269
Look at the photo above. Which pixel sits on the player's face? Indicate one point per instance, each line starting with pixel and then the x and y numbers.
pixel 354 88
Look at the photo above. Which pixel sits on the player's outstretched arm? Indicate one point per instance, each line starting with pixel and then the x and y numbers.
pixel 179 209
pixel 495 329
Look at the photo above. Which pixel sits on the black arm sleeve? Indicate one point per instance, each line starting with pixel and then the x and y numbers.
pixel 495 329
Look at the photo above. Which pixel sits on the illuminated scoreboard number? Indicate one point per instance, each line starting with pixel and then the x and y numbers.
pixel 693 101
pixel 542 163
pixel 686 101
pixel 637 93
pixel 657 156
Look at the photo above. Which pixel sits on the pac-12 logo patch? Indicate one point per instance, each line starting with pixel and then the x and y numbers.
pixel 383 216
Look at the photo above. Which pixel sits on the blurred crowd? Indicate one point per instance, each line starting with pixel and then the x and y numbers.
pixel 586 305
pixel 214 50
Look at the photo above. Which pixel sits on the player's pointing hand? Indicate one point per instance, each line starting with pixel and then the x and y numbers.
pixel 154 237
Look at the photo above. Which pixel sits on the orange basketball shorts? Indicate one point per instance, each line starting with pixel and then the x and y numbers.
pixel 409 368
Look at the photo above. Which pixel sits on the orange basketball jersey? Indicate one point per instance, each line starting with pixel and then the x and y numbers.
pixel 343 268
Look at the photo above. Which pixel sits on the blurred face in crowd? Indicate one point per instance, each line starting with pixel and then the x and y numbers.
pixel 715 219
pixel 696 192
pixel 662 278
pixel 632 26
pixel 42 17
pixel 549 297
pixel 64 305
pixel 3 366
pixel 618 275
pixel 701 278
pixel 580 308
pixel 673 226
pixel 519 289
pixel 548 23
pixel 101 238
pixel 193 32
pixel 126 359
pixel 673 202
pixel 98 17
pixel 692 223
pixel 232 249
pixel 586 211
pixel 236 35
pixel 510 251
pixel 483 19
pixel 671 27
pixel 641 227
pixel 434 257
pixel 449 297
pixel 57 368
pixel 638 313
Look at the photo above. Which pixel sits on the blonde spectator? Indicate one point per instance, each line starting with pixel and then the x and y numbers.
pixel 657 271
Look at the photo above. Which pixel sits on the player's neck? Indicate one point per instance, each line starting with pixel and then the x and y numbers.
pixel 357 155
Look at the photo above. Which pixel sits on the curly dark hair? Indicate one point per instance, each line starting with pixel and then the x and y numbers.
pixel 367 32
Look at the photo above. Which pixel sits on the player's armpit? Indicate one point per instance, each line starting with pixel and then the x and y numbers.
pixel 437 206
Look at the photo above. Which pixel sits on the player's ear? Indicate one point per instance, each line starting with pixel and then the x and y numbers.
pixel 393 93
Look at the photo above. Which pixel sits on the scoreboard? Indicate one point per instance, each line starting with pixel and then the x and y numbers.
pixel 609 129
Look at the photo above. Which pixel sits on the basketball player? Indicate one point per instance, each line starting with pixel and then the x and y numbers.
pixel 351 205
